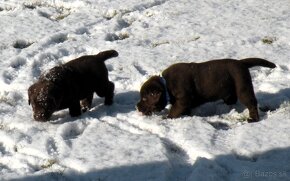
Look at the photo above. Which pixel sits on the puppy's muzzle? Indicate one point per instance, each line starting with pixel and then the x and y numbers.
pixel 145 111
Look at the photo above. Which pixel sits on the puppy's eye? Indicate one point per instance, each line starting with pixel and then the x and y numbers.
pixel 144 99
pixel 154 94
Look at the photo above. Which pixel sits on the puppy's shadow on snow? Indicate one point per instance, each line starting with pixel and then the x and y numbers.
pixel 216 108
pixel 127 98
pixel 124 102
pixel 266 102
pixel 272 101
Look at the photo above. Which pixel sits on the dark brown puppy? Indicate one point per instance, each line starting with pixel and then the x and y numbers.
pixel 72 86
pixel 189 85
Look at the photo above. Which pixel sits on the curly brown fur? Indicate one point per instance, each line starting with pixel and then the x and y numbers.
pixel 72 86
pixel 192 84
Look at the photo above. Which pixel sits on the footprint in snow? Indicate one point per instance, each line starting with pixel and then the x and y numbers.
pixel 220 125
pixel 51 147
pixel 72 130
pixel 18 63
pixel 21 44
pixel 11 72
pixel 2 150
pixel 59 38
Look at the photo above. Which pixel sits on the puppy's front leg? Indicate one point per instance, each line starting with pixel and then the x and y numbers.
pixel 75 109
pixel 179 108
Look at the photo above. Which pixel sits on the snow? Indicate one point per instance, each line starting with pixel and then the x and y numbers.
pixel 116 142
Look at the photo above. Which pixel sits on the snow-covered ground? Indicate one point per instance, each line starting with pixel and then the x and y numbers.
pixel 117 143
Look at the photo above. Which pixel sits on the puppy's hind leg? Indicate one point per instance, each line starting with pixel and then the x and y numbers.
pixel 107 91
pixel 246 95
pixel 254 115
pixel 75 109
pixel 87 102
pixel 248 98
pixel 109 95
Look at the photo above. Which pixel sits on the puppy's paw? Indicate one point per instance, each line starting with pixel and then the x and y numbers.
pixel 85 109
pixel 251 120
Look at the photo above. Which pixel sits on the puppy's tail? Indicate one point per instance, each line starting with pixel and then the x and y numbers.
pixel 252 62
pixel 107 54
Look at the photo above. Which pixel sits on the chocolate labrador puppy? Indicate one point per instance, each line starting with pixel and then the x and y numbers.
pixel 72 86
pixel 188 85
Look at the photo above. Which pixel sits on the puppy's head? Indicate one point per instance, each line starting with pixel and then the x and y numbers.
pixel 44 100
pixel 152 96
